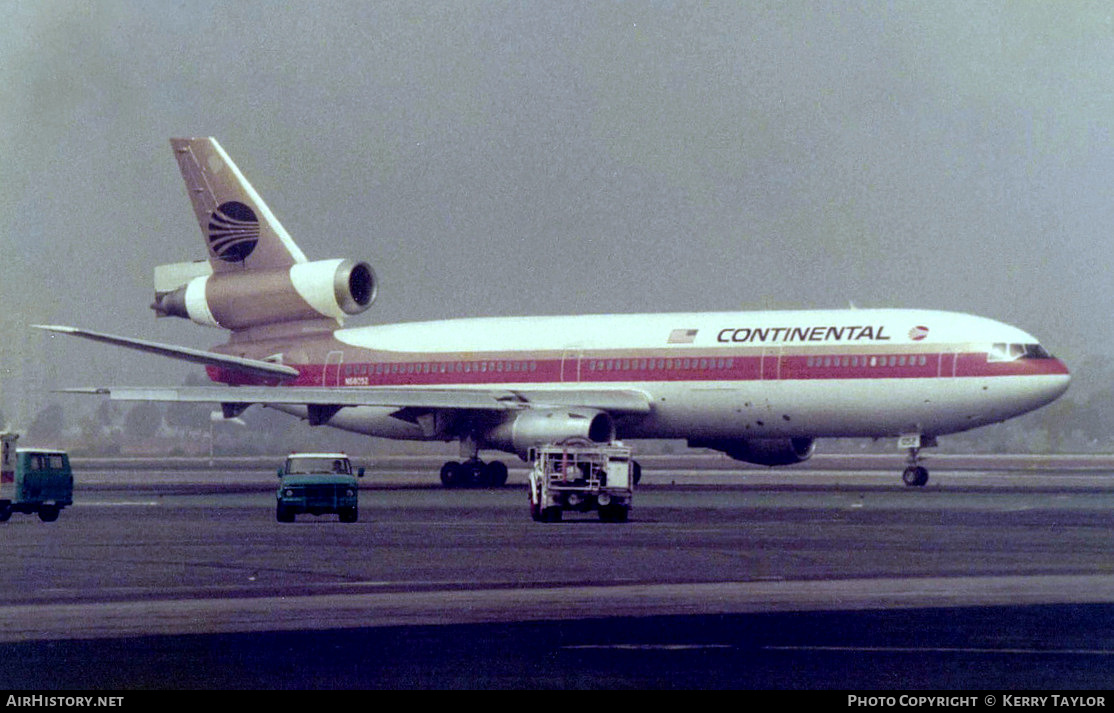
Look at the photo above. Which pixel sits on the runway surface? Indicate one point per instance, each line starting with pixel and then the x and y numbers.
pixel 833 576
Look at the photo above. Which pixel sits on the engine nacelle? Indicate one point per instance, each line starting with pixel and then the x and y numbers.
pixel 251 298
pixel 762 451
pixel 524 429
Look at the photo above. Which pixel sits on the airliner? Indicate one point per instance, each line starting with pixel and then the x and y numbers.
pixel 759 386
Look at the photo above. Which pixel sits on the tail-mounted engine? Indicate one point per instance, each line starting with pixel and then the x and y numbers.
pixel 762 451
pixel 251 298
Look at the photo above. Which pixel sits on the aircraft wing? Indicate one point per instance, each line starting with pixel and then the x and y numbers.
pixel 327 400
pixel 255 367
pixel 323 401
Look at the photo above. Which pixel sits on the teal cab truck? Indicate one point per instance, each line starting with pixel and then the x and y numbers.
pixel 318 483
pixel 33 480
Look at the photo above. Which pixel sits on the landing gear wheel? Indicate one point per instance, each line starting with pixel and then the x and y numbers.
pixel 915 476
pixel 452 474
pixel 495 473
pixel 473 473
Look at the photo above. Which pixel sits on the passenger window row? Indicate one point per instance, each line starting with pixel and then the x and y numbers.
pixel 442 367
pixel 860 361
pixel 660 364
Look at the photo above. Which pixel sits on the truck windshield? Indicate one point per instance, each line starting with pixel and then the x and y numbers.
pixel 303 466
pixel 45 461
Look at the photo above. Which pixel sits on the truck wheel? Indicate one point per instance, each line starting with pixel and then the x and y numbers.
pixel 535 499
pixel 551 515
pixel 349 515
pixel 49 513
pixel 283 514
pixel 5 512
pixel 614 513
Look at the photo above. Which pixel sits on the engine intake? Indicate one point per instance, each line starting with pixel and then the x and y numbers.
pixel 537 427
pixel 762 451
pixel 238 300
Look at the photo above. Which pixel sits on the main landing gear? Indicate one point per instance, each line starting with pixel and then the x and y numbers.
pixel 915 475
pixel 473 473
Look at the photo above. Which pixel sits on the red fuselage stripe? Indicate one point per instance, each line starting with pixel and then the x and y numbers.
pixel 676 367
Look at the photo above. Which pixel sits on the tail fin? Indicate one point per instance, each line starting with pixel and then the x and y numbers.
pixel 255 276
pixel 240 231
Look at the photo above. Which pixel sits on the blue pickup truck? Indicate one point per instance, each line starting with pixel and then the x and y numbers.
pixel 317 484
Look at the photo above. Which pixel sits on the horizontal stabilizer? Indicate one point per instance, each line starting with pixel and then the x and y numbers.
pixel 197 356
pixel 170 277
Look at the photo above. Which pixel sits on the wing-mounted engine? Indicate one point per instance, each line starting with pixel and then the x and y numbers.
pixel 762 451
pixel 535 427
pixel 238 300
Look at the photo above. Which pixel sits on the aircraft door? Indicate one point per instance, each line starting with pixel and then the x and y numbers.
pixel 948 361
pixel 570 365
pixel 771 364
pixel 333 361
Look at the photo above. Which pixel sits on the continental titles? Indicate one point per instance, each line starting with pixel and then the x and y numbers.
pixel 760 335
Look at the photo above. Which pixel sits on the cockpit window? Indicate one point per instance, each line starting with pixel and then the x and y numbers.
pixel 1000 352
pixel 1036 351
pixel 1012 352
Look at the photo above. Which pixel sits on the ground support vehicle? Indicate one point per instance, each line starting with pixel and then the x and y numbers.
pixel 581 476
pixel 317 483
pixel 33 480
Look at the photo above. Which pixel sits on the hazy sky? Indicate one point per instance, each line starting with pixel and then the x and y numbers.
pixel 497 158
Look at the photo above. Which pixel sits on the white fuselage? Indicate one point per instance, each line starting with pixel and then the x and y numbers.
pixel 844 373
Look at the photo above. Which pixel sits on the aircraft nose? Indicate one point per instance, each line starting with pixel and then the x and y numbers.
pixel 1057 382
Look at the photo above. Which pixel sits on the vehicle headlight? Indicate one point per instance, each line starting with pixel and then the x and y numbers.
pixel 349 493
pixel 288 493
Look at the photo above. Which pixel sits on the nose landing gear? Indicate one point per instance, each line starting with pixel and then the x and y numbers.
pixel 915 475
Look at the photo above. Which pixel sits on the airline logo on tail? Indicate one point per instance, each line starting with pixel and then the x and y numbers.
pixel 233 231
pixel 239 229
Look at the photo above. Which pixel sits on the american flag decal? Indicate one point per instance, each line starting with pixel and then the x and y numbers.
pixel 682 336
